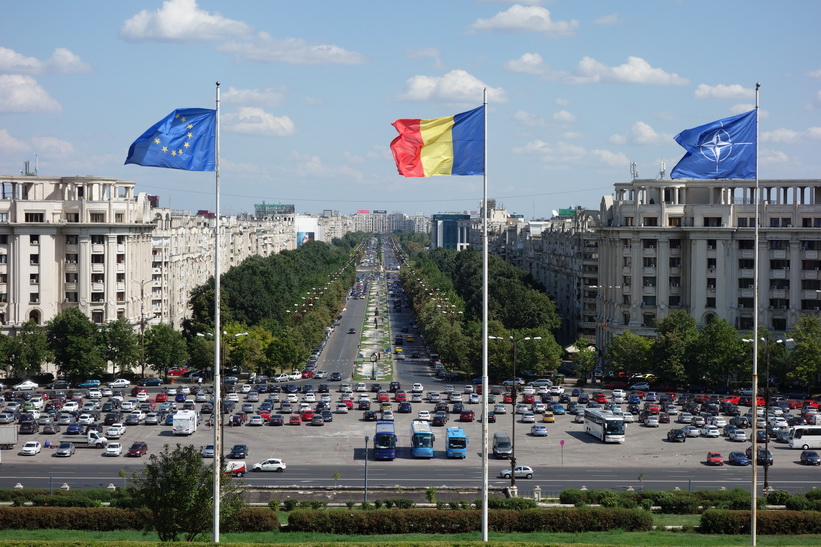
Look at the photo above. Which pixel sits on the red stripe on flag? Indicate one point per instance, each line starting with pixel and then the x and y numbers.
pixel 407 148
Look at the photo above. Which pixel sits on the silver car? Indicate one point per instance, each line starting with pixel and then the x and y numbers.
pixel 65 450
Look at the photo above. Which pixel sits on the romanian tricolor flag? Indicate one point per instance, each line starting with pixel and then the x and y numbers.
pixel 441 146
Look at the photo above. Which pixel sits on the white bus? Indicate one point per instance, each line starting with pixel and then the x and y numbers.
pixel 805 437
pixel 604 425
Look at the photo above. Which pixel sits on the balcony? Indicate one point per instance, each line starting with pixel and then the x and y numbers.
pixel 97 249
pixel 97 268
pixel 809 274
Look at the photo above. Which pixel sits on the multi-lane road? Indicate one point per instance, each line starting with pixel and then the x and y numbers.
pixel 567 458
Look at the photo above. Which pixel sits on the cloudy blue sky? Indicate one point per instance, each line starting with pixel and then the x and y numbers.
pixel 577 91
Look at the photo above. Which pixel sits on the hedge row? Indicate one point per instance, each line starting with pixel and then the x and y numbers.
pixel 107 519
pixel 715 521
pixel 669 501
pixel 429 521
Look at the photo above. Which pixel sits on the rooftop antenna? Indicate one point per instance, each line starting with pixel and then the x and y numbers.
pixel 662 170
pixel 634 170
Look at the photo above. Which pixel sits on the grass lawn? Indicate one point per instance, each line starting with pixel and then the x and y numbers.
pixel 655 539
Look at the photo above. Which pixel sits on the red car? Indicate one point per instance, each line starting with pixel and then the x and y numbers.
pixel 177 371
pixel 161 397
pixel 528 399
pixel 138 449
pixel 307 415
pixel 600 398
pixel 295 420
pixel 508 398
pixel 383 397
pixel 466 416
pixel 307 374
pixel 714 458
pixel 400 397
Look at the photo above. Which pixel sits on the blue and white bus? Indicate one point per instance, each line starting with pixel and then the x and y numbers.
pixel 384 441
pixel 422 439
pixel 604 425
pixel 805 437
pixel 456 443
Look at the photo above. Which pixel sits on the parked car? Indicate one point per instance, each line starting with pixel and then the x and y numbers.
pixel 138 449
pixel 714 458
pixel 810 457
pixel 113 449
pixel 31 448
pixel 677 435
pixel 691 431
pixel 538 430
pixel 65 450
pixel 239 451
pixel 738 458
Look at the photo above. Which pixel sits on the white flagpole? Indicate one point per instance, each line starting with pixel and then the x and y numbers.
pixel 754 503
pixel 485 387
pixel 217 339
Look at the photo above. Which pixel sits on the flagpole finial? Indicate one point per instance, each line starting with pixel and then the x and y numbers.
pixel 218 84
pixel 757 85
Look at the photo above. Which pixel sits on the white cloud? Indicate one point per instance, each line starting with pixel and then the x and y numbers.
pixel 457 86
pixel 267 49
pixel 256 121
pixel 641 133
pixel 559 153
pixel 62 61
pixel 9 145
pixel 181 20
pixel 611 19
pixel 564 116
pixel 312 166
pixel 19 93
pixel 254 97
pixel 427 53
pixel 814 73
pixel 722 91
pixel 52 146
pixel 528 119
pixel 612 159
pixel 768 157
pixel 520 18
pixel 791 136
pixel 532 63
pixel 562 102
pixel 635 71
pixel 742 108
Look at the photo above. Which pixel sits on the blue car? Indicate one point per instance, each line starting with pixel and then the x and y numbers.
pixel 169 420
pixel 89 384
pixel 74 429
pixel 738 458
pixel 557 408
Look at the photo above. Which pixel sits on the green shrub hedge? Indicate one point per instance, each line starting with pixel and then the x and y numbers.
pixel 716 521
pixel 430 521
pixel 72 518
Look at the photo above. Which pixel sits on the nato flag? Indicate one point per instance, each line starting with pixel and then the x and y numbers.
pixel 724 149
pixel 185 139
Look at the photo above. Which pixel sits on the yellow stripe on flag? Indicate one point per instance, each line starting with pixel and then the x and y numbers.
pixel 437 154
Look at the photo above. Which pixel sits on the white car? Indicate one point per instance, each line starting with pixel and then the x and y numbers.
pixel 234 397
pixel 618 392
pixel 500 408
pixel 672 410
pixel 448 388
pixel 113 449
pixel 292 398
pixel 246 388
pixel 738 435
pixel 651 421
pixel 691 431
pixel 31 448
pixel 115 431
pixel 341 408
pixel 86 419
pixel 320 374
pixel 69 406
pixel 271 464
pixel 417 388
pixel 469 388
pixel 95 394
pixel 628 417
pixel 528 418
pixel 424 416
pixel 309 397
pixel 556 390
pixel 538 408
pixel 520 471
pixel 718 421
pixel 455 397
pixel 127 405
pixel 710 431
pixel 521 408
pixel 360 386
pixel 295 375
pixel 28 385
pixel 119 383
pixel 685 418
pixel 141 396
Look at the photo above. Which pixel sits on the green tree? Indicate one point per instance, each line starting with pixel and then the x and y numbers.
pixel 630 353
pixel 584 358
pixel 122 345
pixel 718 353
pixel 806 355
pixel 673 348
pixel 165 348
pixel 76 344
pixel 283 352
pixel 177 486
pixel 28 350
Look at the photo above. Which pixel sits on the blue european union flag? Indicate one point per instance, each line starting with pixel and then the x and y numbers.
pixel 185 139
pixel 724 149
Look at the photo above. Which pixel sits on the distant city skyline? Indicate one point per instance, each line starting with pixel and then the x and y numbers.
pixel 577 92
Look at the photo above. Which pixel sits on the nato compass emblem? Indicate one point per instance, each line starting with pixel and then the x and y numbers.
pixel 718 146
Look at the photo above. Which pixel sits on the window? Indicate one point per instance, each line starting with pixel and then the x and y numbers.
pixel 625 299
pixel 745 283
pixel 650 221
pixel 121 296
pixel 675 222
pixel 71 297
pixel 626 261
pixel 4 297
pixel 96 317
pixel 746 244
pixel 626 281
pixel 648 301
pixel 649 281
pixel 649 320
pixel 72 217
pixel 98 239
pixel 746 263
pixel 35 217
pixel 4 278
pixel 119 218
pixel 4 259
pixel 742 222
pixel 628 221
pixel 34 279
pixel 649 262
pixel 98 297
pixel 97 278
pixel 71 258
pixel 34 239
pixel 711 282
pixel 810 264
pixel 806 284
pixel 4 217
pixel 711 263
pixel 98 259
pixel 72 239
pixel 121 258
pixel 711 244
pixel 675 244
pixel 71 278
pixel 120 277
pixel 779 264
pixel 779 244
pixel 746 303
pixel 674 301
pixel 711 302
pixel 675 262
pixel 97 217
pixel 779 323
pixel 648 243
pixel 626 243
pixel 121 240
pixel 675 282
pixel 34 259
pixel 713 222
pixel 34 298
pixel 811 245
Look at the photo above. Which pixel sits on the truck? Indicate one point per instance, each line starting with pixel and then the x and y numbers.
pixel 92 439
pixel 8 436
pixel 185 422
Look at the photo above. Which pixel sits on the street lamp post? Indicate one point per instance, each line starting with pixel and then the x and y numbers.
pixel 366 467
pixel 515 390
